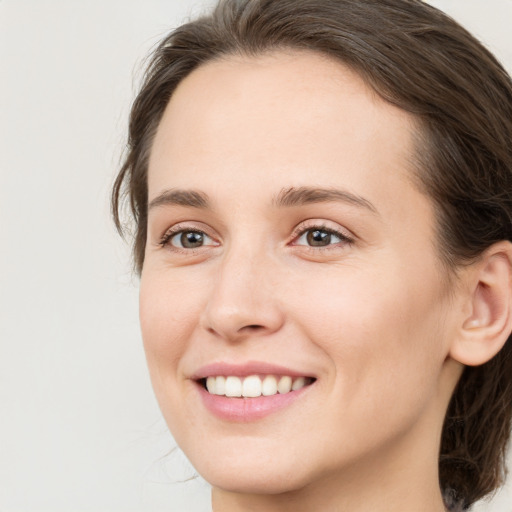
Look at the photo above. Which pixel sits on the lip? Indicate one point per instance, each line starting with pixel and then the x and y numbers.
pixel 247 410
pixel 245 370
pixel 242 409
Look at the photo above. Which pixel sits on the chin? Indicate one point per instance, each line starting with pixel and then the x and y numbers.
pixel 254 475
pixel 254 481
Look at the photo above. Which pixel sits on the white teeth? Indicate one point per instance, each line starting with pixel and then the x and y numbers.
pixel 269 386
pixel 298 383
pixel 251 386
pixel 220 385
pixel 284 385
pixel 211 385
pixel 254 385
pixel 233 386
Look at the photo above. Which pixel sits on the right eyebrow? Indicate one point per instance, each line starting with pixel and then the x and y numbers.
pixel 191 198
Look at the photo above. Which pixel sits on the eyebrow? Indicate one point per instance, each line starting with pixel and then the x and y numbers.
pixel 190 198
pixel 289 197
pixel 298 196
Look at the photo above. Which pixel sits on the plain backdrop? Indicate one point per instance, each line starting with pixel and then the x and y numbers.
pixel 80 429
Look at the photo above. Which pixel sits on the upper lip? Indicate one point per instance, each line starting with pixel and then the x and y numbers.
pixel 245 369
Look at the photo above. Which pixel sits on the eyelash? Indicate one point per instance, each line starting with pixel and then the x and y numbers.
pixel 303 230
pixel 165 240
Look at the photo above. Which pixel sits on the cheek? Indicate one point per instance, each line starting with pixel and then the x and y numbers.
pixel 168 316
pixel 381 331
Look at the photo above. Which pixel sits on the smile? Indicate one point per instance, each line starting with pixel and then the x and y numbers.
pixel 251 391
pixel 254 386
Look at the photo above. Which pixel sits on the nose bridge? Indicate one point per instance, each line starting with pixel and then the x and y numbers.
pixel 241 299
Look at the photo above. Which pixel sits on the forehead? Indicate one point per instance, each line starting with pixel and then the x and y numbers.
pixel 284 116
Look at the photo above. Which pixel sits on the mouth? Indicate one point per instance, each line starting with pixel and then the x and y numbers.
pixel 253 386
pixel 250 391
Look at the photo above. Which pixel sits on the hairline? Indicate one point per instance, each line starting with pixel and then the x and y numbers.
pixel 416 164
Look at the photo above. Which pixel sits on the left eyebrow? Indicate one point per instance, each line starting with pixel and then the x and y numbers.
pixel 298 196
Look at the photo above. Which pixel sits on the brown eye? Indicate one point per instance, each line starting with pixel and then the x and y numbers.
pixel 190 239
pixel 318 238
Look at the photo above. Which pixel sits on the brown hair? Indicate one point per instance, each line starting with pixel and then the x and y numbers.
pixel 419 59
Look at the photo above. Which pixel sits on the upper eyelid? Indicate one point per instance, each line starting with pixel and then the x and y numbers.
pixel 188 226
pixel 331 231
pixel 169 238
pixel 322 225
pixel 298 230
pixel 343 241
pixel 165 241
pixel 318 227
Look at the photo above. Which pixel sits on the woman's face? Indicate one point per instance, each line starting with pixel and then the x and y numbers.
pixel 286 239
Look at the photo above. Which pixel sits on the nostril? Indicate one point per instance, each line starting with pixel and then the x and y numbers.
pixel 253 327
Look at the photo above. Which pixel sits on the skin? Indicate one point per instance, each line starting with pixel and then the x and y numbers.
pixel 373 319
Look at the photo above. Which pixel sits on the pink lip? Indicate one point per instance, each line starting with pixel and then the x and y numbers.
pixel 248 409
pixel 245 369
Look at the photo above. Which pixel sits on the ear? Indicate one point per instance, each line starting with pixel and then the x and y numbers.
pixel 487 326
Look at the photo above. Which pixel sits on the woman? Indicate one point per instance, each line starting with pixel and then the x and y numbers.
pixel 322 192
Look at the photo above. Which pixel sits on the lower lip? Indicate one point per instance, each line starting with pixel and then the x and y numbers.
pixel 248 409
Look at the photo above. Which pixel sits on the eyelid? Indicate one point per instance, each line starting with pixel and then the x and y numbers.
pixel 344 234
pixel 176 236
pixel 321 225
pixel 181 227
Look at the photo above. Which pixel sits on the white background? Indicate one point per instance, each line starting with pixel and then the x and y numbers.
pixel 79 426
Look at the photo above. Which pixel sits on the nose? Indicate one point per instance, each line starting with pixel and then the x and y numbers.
pixel 241 303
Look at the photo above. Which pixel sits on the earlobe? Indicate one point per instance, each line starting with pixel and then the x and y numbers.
pixel 487 327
